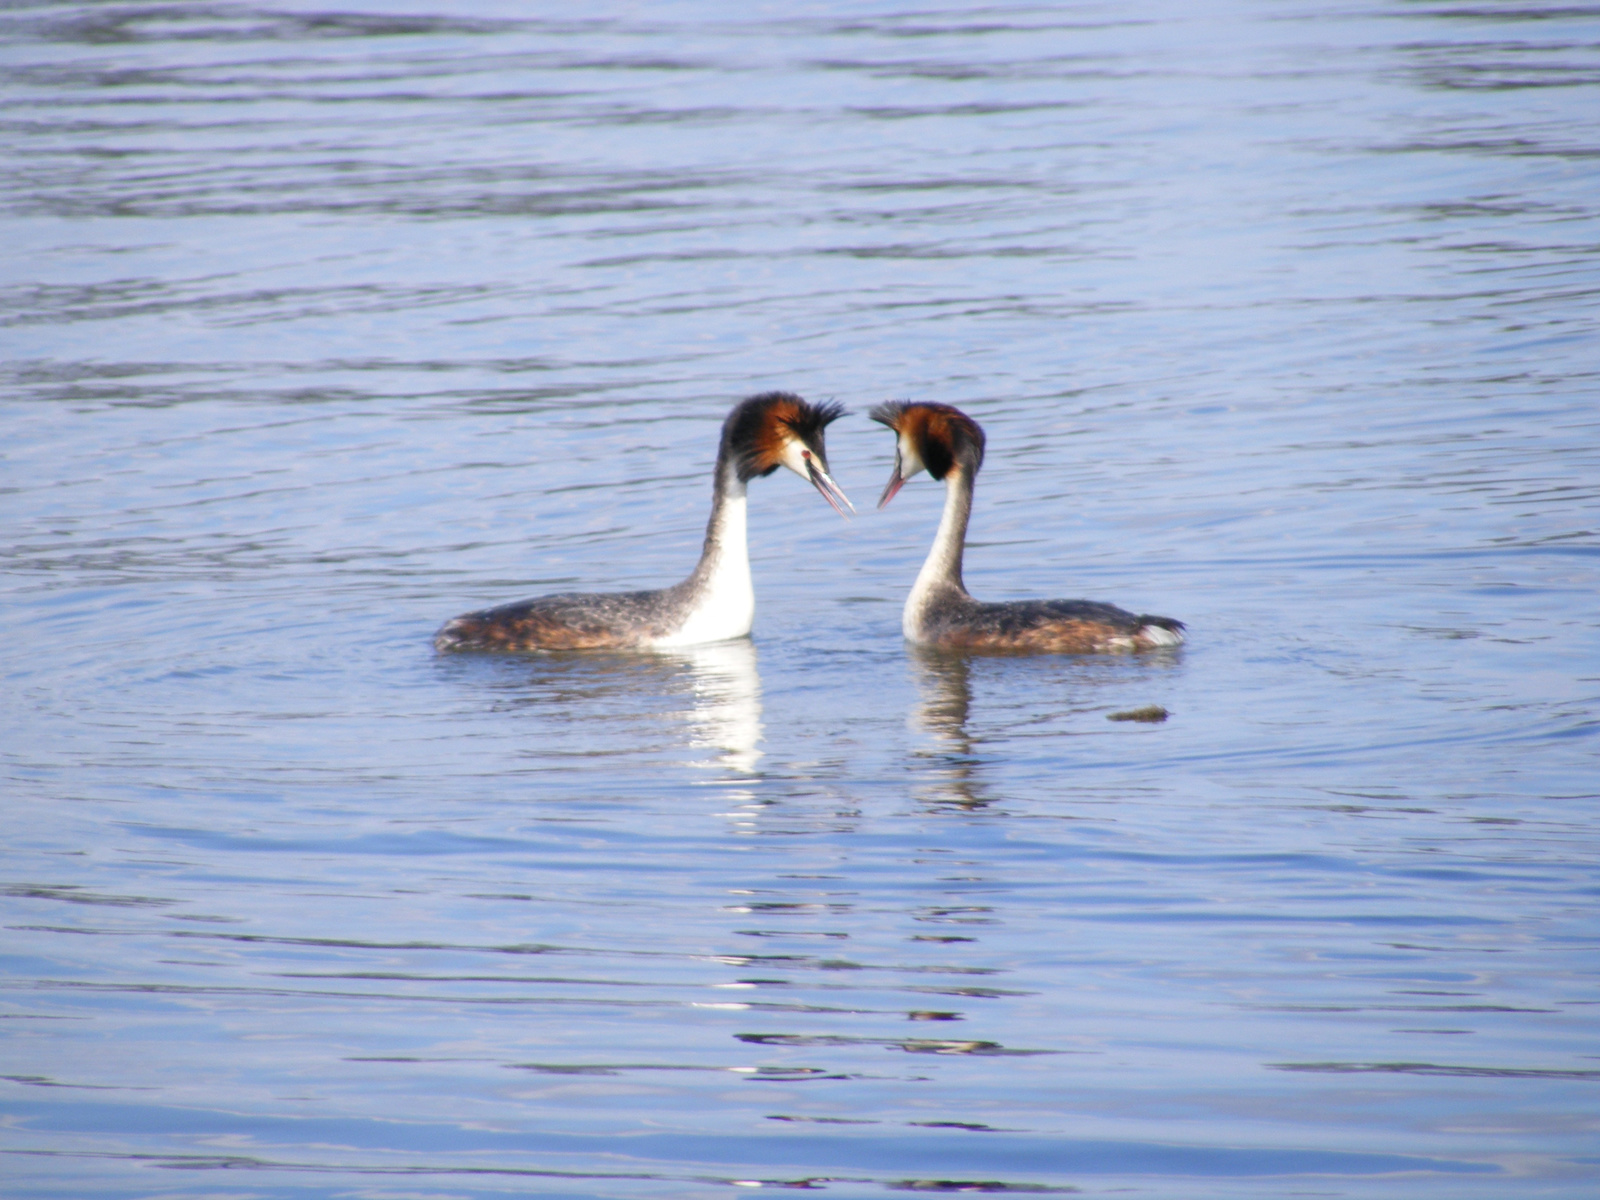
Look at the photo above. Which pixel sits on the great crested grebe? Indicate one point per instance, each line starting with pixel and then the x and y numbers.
pixel 948 444
pixel 717 601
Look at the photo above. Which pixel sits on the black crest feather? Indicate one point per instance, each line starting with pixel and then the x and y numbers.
pixel 888 413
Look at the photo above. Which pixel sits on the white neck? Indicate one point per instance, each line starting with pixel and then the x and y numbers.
pixel 942 568
pixel 722 600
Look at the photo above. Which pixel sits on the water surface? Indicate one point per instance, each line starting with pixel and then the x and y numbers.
pixel 323 325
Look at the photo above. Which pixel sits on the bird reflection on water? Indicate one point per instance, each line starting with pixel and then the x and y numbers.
pixel 726 710
pixel 952 774
pixel 607 705
pixel 954 763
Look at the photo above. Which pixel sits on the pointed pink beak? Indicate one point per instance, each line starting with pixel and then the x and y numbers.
pixel 896 482
pixel 831 491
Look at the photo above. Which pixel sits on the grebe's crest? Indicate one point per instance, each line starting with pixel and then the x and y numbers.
pixel 767 431
pixel 931 437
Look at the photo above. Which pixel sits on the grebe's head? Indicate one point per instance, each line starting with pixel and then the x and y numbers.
pixel 778 429
pixel 934 438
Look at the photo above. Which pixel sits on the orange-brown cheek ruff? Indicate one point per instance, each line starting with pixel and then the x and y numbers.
pixel 783 419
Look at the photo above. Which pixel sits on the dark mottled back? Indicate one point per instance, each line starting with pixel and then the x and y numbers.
pixel 955 621
pixel 565 621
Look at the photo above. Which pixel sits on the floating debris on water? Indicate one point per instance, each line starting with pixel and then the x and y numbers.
pixel 1151 714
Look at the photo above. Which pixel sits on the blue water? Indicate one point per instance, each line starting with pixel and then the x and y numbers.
pixel 321 326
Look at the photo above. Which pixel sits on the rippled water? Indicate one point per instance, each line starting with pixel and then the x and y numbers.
pixel 321 326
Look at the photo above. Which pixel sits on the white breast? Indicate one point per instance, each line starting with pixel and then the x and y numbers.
pixel 725 607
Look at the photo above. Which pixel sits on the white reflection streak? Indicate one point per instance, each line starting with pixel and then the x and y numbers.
pixel 727 702
pixel 944 699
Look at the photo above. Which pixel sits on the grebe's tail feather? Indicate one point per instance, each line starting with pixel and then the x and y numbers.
pixel 1159 631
